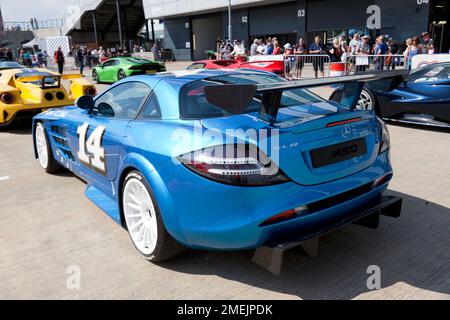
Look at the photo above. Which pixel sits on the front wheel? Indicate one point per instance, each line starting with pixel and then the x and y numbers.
pixel 44 151
pixel 144 222
pixel 366 100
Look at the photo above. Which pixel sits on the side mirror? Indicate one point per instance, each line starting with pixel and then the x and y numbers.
pixel 85 102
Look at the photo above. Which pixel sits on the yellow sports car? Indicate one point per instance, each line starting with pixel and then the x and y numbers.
pixel 27 92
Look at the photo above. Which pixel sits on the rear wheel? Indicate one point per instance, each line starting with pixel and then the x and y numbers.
pixel 144 222
pixel 44 152
pixel 95 75
pixel 366 100
pixel 122 74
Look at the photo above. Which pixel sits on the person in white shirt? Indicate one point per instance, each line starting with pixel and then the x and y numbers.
pixel 261 47
pixel 355 44
pixel 239 49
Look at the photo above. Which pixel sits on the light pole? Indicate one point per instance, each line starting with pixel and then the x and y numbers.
pixel 229 20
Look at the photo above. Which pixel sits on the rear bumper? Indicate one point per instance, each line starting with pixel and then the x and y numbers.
pixel 270 256
pixel 8 117
pixel 12 112
pixel 366 215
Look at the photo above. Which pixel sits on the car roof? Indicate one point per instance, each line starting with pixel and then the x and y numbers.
pixel 167 85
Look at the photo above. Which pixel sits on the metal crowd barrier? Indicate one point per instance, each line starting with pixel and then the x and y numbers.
pixel 361 63
pixel 301 66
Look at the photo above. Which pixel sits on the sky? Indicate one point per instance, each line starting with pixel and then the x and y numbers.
pixel 23 10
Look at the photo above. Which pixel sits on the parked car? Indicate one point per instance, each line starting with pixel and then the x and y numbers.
pixel 274 66
pixel 27 92
pixel 222 159
pixel 119 68
pixel 423 98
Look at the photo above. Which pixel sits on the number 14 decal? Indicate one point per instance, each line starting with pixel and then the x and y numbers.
pixel 90 151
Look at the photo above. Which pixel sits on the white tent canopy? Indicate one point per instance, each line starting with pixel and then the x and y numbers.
pixel 41 43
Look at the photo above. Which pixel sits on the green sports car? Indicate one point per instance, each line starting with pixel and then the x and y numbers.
pixel 115 69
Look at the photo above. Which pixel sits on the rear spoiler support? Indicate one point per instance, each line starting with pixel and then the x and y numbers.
pixel 235 98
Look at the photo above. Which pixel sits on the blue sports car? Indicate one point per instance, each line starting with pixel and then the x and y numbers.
pixel 423 98
pixel 223 159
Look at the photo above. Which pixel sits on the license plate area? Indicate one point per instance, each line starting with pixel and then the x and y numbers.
pixel 338 152
pixel 150 71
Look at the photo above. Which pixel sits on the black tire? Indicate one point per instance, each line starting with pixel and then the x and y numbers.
pixel 166 247
pixel 52 165
pixel 95 76
pixel 121 74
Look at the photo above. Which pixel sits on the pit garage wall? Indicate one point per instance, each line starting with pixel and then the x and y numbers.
pixel 177 36
pixel 399 18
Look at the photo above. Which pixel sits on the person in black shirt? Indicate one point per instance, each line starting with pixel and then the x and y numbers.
pixel 392 50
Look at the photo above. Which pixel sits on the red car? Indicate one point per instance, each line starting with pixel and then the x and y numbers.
pixel 275 66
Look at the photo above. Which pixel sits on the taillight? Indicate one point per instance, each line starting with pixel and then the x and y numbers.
pixel 7 98
pixel 285 215
pixel 90 91
pixel 384 136
pixel 234 164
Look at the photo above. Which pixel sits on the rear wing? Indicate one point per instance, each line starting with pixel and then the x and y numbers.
pixel 71 76
pixel 234 98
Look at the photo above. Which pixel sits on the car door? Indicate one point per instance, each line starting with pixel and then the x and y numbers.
pixel 108 70
pixel 101 131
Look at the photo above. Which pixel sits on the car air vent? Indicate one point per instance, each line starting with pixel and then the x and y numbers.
pixel 59 135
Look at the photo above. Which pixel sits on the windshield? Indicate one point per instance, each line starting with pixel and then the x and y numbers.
pixel 294 102
pixel 438 72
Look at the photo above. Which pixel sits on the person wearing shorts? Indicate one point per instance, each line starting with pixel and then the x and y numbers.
pixel 300 49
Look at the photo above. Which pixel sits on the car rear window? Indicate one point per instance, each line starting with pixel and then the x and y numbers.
pixel 431 73
pixel 135 60
pixel 194 105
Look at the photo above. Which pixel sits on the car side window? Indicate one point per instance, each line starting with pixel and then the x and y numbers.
pixel 116 62
pixel 108 63
pixel 151 109
pixel 196 66
pixel 123 101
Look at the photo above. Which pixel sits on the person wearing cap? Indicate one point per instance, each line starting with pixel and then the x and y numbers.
pixel 288 59
pixel 363 50
pixel 426 47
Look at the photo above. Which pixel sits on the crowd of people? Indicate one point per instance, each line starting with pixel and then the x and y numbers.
pixel 384 51
pixel 30 59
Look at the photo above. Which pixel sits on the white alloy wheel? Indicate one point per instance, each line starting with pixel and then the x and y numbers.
pixel 140 216
pixel 41 145
pixel 365 101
